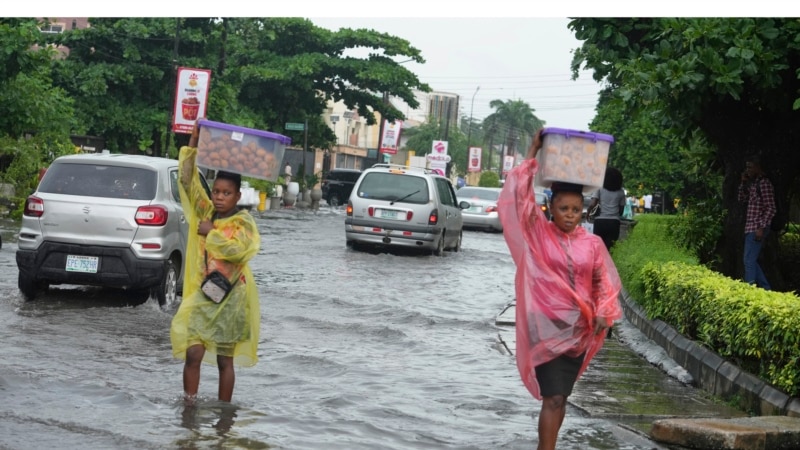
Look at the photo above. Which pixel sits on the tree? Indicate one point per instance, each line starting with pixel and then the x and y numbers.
pixel 265 72
pixel 421 138
pixel 515 120
pixel 35 116
pixel 733 80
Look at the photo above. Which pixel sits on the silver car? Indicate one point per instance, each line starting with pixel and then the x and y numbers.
pixel 482 212
pixel 404 206
pixel 107 220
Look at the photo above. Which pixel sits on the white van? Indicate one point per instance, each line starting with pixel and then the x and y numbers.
pixel 403 206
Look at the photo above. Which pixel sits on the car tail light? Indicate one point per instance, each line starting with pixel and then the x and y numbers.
pixel 433 219
pixel 409 215
pixel 371 211
pixel 349 209
pixel 152 215
pixel 34 207
pixel 491 209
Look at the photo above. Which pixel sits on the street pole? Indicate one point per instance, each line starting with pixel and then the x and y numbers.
pixel 305 150
pixel 469 132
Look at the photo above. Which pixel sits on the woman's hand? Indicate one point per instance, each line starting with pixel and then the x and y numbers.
pixel 195 135
pixel 204 227
pixel 535 145
pixel 600 324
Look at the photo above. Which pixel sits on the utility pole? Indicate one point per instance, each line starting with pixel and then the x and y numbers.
pixel 380 128
pixel 165 150
pixel 469 131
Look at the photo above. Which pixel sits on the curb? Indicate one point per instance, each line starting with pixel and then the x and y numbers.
pixel 711 372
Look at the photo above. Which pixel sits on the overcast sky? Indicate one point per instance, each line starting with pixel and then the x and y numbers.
pixel 506 59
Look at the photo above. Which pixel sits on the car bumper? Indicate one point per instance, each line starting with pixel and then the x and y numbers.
pixel 402 235
pixel 483 221
pixel 117 267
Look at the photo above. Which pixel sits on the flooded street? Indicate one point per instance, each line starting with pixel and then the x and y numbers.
pixel 358 351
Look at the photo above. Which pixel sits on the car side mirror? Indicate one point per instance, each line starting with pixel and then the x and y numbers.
pixel 464 204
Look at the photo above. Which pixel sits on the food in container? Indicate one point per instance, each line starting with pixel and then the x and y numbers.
pixel 573 156
pixel 250 152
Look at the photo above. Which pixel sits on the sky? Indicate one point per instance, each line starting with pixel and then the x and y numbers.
pixel 485 59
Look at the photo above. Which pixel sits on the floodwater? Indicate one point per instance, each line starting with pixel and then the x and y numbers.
pixel 358 351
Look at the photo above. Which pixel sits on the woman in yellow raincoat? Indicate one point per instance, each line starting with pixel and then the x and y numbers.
pixel 226 238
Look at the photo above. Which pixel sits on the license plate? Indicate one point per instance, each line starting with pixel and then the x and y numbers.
pixel 476 209
pixel 388 214
pixel 79 263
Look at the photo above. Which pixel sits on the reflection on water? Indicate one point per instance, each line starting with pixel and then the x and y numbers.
pixel 358 350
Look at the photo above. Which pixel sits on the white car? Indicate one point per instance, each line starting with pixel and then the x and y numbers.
pixel 482 211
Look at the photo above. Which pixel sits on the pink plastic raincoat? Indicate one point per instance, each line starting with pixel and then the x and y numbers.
pixel 563 281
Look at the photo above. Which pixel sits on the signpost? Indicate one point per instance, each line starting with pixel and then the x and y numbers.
pixel 294 126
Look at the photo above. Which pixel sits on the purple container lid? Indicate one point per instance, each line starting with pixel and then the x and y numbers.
pixel 285 140
pixel 588 135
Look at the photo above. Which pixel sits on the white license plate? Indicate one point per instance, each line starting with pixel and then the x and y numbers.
pixel 476 209
pixel 78 263
pixel 387 214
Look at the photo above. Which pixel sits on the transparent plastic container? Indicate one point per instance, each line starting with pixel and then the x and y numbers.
pixel 573 156
pixel 250 152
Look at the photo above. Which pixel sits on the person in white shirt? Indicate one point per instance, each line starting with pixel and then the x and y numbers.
pixel 648 203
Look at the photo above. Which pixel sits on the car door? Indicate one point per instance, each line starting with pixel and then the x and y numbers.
pixel 451 213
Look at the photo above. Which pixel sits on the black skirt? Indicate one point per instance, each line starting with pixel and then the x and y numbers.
pixel 557 377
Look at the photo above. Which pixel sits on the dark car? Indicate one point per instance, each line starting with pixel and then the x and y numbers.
pixel 338 184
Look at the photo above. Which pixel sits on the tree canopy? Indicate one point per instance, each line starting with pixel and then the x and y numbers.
pixel 732 82
pixel 265 72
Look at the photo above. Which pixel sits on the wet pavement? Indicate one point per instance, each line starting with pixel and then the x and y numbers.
pixel 359 350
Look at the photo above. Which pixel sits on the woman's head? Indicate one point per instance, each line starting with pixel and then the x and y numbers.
pixel 226 192
pixel 613 179
pixel 566 205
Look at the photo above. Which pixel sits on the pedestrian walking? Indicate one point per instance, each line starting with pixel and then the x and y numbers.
pixel 566 288
pixel 219 330
pixel 611 199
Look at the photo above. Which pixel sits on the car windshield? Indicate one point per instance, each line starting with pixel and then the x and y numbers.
pixel 100 181
pixel 393 187
pixel 482 194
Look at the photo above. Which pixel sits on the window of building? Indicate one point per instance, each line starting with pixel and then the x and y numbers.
pixel 53 28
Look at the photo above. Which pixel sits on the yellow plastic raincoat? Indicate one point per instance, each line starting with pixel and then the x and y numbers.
pixel 230 328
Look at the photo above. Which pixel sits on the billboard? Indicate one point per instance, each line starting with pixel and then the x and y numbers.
pixel 191 98
pixel 474 159
pixel 391 136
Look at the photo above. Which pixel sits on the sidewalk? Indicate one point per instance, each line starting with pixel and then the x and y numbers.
pixel 627 388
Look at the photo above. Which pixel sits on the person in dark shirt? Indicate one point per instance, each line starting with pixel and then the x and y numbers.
pixel 755 190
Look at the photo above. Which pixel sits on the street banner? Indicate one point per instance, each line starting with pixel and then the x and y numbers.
pixel 438 156
pixel 191 98
pixel 391 136
pixel 474 159
pixel 508 164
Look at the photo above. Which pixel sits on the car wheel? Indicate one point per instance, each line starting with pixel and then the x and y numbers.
pixel 333 200
pixel 440 247
pixel 457 248
pixel 167 291
pixel 27 286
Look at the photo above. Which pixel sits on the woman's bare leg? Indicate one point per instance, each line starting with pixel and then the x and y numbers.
pixel 550 418
pixel 191 369
pixel 227 377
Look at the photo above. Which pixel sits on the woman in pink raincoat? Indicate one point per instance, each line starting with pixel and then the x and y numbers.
pixel 567 290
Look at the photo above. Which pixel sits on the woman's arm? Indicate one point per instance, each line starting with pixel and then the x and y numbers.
pixel 189 179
